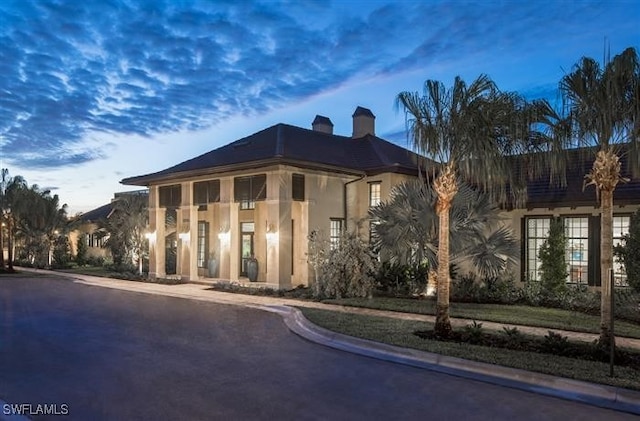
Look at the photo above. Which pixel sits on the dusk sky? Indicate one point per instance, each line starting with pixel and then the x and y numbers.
pixel 92 92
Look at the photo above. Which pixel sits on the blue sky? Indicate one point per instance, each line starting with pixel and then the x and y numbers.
pixel 95 91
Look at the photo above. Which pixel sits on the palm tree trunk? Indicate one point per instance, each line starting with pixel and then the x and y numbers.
pixel 606 264
pixel 1 241
pixel 446 187
pixel 10 243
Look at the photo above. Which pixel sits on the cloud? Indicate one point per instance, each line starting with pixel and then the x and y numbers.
pixel 143 68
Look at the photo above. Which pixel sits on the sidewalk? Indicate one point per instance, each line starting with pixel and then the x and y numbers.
pixel 595 394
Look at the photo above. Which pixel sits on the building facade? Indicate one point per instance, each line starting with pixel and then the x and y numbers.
pixel 261 197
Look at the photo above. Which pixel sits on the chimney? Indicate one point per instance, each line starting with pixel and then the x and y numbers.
pixel 322 124
pixel 363 122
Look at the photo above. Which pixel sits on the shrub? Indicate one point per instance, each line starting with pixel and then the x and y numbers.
pixel 499 290
pixel 81 250
pixel 473 333
pixel 97 261
pixel 628 253
pixel 555 343
pixel 61 255
pixel 402 280
pixel 346 269
pixel 553 268
pixel 513 338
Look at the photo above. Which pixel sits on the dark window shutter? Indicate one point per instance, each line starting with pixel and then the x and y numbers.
pixel 170 196
pixel 200 193
pixel 297 183
pixel 241 188
pixel 214 191
pixel 259 187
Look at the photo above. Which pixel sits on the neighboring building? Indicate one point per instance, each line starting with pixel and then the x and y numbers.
pixel 264 194
pixel 86 225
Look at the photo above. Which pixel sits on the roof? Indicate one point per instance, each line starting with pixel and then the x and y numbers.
pixel 320 119
pixel 286 144
pixel 96 214
pixel 542 194
pixel 361 111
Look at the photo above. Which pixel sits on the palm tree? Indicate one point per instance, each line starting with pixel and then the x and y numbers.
pixel 10 189
pixel 468 129
pixel 406 231
pixel 604 107
pixel 125 227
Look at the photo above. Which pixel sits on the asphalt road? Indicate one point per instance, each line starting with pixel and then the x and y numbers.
pixel 116 355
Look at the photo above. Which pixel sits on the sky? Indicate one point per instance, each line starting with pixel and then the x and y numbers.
pixel 95 91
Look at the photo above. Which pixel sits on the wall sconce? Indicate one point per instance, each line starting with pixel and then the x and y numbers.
pixel 272 233
pixel 224 236
pixel 151 236
pixel 185 237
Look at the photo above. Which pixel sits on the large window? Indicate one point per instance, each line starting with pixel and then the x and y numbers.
pixel 203 243
pixel 335 231
pixel 248 190
pixel 537 233
pixel 297 186
pixel 620 229
pixel 577 255
pixel 170 196
pixel 374 194
pixel 206 192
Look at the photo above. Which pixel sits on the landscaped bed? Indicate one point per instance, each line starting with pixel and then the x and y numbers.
pixel 403 333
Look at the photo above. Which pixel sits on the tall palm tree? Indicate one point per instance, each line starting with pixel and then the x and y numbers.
pixel 603 104
pixel 124 229
pixel 468 129
pixel 10 190
pixel 406 231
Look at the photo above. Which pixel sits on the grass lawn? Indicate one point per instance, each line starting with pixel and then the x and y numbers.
pixel 400 333
pixel 551 318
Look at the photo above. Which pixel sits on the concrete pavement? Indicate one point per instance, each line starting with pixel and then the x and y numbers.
pixel 595 394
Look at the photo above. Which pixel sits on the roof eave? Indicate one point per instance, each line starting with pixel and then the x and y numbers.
pixel 146 180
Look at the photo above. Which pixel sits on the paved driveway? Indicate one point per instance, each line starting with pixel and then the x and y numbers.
pixel 118 355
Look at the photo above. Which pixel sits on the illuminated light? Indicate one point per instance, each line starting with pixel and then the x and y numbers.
pixel 185 237
pixel 151 236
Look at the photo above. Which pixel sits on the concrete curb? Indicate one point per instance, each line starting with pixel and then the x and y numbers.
pixel 593 394
pixel 615 398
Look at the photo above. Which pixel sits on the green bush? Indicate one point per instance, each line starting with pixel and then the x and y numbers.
pixel 346 269
pixel 81 250
pixel 553 267
pixel 628 253
pixel 402 280
pixel 490 290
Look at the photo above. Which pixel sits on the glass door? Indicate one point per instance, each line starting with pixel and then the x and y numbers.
pixel 246 245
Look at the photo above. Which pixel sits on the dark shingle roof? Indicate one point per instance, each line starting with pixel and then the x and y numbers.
pixel 96 214
pixel 287 144
pixel 543 194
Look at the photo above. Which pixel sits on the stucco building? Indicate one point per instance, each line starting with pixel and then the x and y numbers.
pixel 261 196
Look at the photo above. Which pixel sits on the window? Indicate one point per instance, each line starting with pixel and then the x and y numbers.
pixel 203 243
pixel 170 196
pixel 374 194
pixel 537 233
pixel 577 255
pixel 335 231
pixel 206 192
pixel 96 240
pixel 297 186
pixel 248 190
pixel 620 229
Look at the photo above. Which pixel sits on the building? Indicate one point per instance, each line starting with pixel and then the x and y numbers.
pixel 87 226
pixel 261 196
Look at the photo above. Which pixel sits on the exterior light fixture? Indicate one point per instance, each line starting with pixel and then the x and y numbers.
pixel 151 236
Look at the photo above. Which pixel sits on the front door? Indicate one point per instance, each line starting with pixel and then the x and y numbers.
pixel 246 245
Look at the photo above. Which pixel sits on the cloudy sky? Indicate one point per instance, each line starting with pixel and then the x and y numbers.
pixel 94 91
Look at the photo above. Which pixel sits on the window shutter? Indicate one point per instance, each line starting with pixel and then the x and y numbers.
pixel 297 185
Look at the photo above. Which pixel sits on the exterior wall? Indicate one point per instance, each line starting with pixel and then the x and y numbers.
pixel 516 220
pixel 86 228
pixel 282 225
